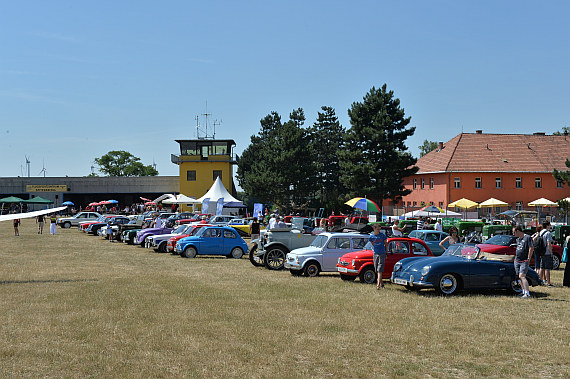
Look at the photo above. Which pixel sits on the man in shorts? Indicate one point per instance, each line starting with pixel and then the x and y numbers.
pixel 523 255
pixel 379 243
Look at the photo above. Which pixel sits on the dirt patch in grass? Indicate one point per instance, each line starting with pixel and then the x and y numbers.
pixel 76 305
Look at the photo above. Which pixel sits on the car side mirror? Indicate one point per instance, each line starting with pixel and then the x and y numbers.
pixel 513 245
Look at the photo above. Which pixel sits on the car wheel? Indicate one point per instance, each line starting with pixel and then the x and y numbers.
pixel 348 278
pixel 312 269
pixel 162 247
pixel 67 225
pixel 236 253
pixel 255 260
pixel 274 259
pixel 368 275
pixel 555 262
pixel 296 272
pixel 516 287
pixel 448 284
pixel 190 252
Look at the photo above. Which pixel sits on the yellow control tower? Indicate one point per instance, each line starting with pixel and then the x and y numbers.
pixel 201 161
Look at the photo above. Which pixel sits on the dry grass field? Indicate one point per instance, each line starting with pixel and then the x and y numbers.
pixel 74 305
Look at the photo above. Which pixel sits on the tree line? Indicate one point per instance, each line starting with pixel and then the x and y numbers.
pixel 324 165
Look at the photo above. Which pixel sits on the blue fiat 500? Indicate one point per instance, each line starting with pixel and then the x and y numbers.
pixel 213 241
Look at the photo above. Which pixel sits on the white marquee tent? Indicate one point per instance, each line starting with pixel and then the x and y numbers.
pixel 218 191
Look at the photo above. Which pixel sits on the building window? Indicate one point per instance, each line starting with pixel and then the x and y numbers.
pixel 431 183
pixel 518 183
pixel 415 203
pixel 415 183
pixel 191 176
pixel 559 184
pixel 538 182
pixel 457 182
pixel 498 183
pixel 441 204
pixel 519 205
pixel 431 203
pixel 477 182
pixel 409 204
pixel 423 183
pixel 217 174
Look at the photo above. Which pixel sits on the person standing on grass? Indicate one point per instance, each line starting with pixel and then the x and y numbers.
pixel 546 262
pixel 16 224
pixel 254 229
pixel 53 224
pixel 40 222
pixel 380 244
pixel 420 224
pixel 523 255
pixel 566 280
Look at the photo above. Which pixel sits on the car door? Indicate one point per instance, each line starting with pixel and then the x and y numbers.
pixel 334 249
pixel 487 274
pixel 213 242
pixel 230 241
pixel 396 250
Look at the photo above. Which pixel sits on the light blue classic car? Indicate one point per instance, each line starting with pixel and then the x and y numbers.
pixel 213 240
pixel 432 238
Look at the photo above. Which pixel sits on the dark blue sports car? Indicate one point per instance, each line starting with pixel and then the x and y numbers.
pixel 461 267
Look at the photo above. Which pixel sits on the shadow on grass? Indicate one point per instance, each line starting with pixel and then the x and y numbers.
pixel 2 282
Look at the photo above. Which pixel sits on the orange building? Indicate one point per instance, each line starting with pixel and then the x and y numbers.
pixel 514 168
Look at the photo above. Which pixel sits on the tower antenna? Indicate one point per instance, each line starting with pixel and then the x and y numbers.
pixel 206 115
pixel 216 122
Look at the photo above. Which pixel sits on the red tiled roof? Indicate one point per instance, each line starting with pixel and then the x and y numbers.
pixel 479 152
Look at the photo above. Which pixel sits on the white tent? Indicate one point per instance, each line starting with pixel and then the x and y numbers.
pixel 181 199
pixel 218 191
pixel 164 197
pixel 420 213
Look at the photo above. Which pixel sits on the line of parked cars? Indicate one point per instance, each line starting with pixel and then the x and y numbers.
pixel 415 261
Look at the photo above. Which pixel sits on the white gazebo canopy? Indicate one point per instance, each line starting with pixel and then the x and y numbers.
pixel 218 191
pixel 181 199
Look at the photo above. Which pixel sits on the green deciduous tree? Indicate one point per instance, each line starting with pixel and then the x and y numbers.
pixel 375 161
pixel 564 132
pixel 427 146
pixel 562 176
pixel 277 166
pixel 123 163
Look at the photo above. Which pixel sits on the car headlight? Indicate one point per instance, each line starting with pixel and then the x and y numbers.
pixel 397 266
pixel 338 260
pixel 425 270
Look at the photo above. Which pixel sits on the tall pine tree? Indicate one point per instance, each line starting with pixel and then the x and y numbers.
pixel 327 141
pixel 374 161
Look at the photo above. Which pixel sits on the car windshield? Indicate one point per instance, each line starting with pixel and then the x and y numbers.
pixel 196 230
pixel 500 240
pixel 180 229
pixel 463 251
pixel 320 241
pixel 200 232
pixel 417 234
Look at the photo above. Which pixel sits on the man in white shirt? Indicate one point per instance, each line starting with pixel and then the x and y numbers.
pixel 438 226
pixel 272 222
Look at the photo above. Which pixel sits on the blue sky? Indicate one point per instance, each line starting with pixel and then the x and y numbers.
pixel 78 79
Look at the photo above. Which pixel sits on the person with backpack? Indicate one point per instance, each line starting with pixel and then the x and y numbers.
pixel 546 262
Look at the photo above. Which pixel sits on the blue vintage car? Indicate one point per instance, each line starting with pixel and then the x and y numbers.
pixel 213 241
pixel 432 238
pixel 461 267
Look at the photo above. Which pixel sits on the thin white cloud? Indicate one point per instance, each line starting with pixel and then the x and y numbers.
pixel 55 36
pixel 28 95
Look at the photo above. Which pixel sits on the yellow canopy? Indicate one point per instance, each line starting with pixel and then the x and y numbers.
pixel 463 203
pixel 492 202
pixel 542 202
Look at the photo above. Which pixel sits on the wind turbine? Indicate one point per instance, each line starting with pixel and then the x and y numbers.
pixel 43 169
pixel 28 164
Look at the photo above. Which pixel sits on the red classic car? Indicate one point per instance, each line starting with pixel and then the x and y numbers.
pixel 360 263
pixel 82 227
pixel 506 244
pixel 172 241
